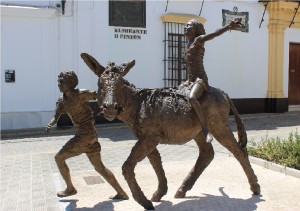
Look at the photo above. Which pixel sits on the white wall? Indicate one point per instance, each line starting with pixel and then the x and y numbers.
pixel 28 46
pixel 148 52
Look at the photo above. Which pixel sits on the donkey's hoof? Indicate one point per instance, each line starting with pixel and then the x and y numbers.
pixel 179 194
pixel 155 198
pixel 148 205
pixel 255 189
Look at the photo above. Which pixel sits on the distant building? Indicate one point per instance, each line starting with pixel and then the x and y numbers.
pixel 258 67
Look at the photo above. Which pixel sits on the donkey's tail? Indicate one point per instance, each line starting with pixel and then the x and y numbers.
pixel 240 125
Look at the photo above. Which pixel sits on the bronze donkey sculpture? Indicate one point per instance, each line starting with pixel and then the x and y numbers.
pixel 164 116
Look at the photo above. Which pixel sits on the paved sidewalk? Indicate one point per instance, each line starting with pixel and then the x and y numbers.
pixel 30 178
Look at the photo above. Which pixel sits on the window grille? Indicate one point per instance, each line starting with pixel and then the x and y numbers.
pixel 175 70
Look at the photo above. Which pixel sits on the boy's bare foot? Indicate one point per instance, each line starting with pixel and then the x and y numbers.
pixel 66 193
pixel 120 196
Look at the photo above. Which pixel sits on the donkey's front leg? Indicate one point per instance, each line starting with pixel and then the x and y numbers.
pixel 155 160
pixel 138 153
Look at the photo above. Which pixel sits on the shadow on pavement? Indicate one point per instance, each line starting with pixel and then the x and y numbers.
pixel 211 202
pixel 191 203
pixel 105 206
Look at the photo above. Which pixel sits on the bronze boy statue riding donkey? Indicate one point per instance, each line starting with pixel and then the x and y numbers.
pixel 197 109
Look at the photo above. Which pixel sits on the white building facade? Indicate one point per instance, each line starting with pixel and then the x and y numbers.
pixel 259 68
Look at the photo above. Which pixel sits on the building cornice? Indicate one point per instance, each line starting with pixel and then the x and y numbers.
pixel 282 13
pixel 180 18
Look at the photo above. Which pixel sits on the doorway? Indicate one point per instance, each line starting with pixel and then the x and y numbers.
pixel 294 75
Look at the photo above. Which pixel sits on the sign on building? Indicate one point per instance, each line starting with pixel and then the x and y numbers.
pixel 231 15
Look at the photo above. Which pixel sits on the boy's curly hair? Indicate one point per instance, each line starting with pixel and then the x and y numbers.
pixel 71 77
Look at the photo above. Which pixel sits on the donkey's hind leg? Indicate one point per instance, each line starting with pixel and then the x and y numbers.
pixel 155 160
pixel 226 138
pixel 206 155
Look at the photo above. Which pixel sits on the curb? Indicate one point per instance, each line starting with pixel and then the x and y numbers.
pixel 55 131
pixel 275 167
pixel 266 115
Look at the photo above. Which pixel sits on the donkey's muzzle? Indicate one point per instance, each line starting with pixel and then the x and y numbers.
pixel 110 111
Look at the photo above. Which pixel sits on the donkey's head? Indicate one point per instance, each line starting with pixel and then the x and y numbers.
pixel 110 84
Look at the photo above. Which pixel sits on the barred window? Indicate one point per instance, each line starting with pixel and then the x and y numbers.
pixel 175 69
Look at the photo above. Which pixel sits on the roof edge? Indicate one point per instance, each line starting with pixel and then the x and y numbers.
pixel 180 18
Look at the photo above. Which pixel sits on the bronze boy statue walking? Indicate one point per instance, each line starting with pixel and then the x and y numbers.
pixel 196 36
pixel 75 103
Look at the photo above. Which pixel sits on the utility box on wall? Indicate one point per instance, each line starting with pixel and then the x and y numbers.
pixel 10 76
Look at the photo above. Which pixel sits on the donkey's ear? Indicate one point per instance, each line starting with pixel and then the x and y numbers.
pixel 126 67
pixel 93 64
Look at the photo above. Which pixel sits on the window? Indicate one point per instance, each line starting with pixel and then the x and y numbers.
pixel 175 69
pixel 127 13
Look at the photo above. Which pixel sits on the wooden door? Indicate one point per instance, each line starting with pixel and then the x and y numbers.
pixel 294 74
